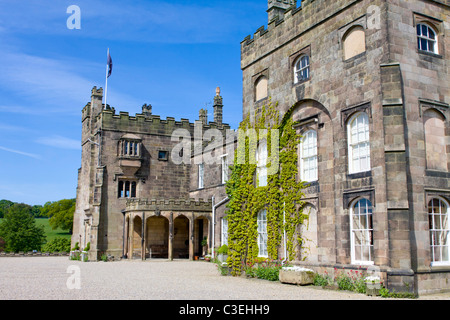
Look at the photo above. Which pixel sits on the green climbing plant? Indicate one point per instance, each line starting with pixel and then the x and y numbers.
pixel 281 197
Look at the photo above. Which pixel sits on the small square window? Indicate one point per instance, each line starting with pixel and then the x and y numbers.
pixel 163 155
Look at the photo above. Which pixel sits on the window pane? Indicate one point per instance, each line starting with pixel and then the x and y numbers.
pixel 424 44
pixel 424 30
pixel 361 224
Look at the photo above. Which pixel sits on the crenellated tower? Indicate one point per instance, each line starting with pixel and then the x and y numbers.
pixel 277 8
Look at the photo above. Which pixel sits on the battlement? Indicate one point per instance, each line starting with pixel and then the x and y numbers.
pixel 294 21
pixel 151 124
pixel 168 205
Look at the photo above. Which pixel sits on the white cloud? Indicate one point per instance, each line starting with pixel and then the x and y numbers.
pixel 31 155
pixel 60 142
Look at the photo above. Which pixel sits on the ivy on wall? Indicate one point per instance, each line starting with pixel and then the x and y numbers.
pixel 281 197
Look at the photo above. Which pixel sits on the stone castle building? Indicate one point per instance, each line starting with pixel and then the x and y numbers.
pixel 367 84
pixel 138 195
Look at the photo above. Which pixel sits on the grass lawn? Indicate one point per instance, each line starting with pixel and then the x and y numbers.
pixel 49 232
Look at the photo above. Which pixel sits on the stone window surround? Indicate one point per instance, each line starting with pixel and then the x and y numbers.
pixel 343 32
pixel 255 79
pixel 443 109
pixel 437 25
pixel 346 114
pixel 304 125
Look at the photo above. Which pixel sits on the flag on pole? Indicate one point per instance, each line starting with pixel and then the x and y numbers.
pixel 109 64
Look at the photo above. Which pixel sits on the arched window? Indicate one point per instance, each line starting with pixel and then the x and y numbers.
pixel 361 232
pixel 354 42
pixel 262 233
pixel 301 69
pixel 261 164
pixel 358 143
pixel 426 38
pixel 308 156
pixel 261 88
pixel 438 215
pixel 435 140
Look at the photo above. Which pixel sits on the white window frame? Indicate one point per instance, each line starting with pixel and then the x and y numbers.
pixel 366 230
pixel 261 164
pixel 308 157
pixel 262 233
pixel 358 149
pixel 224 231
pixel 443 230
pixel 201 173
pixel 425 37
pixel 224 162
pixel 301 66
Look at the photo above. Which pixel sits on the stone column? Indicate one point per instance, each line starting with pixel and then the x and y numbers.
pixel 143 236
pixel 191 237
pixel 170 254
pixel 131 237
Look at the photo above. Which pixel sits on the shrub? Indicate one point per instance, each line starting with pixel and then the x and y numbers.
pixel 57 245
pixel 76 247
pixel 88 246
pixel 223 249
pixel 322 280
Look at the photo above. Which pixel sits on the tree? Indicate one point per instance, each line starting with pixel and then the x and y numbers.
pixel 4 205
pixel 19 231
pixel 60 213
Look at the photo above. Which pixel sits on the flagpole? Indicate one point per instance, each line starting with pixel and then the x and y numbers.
pixel 106 77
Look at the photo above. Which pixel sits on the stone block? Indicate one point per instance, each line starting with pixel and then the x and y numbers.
pixel 296 275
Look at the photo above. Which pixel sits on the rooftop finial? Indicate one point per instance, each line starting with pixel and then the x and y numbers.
pixel 218 91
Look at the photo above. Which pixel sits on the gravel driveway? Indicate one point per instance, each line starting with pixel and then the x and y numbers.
pixel 54 278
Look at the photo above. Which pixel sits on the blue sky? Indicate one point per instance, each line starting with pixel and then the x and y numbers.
pixel 171 54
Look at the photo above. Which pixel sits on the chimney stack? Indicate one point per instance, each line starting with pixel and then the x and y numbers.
pixel 218 106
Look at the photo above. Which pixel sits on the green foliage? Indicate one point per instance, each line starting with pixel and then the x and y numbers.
pixel 57 245
pixel 19 231
pixel 4 205
pixel 60 213
pixel 322 280
pixel 88 247
pixel 385 293
pixel 223 249
pixel 281 197
pixel 267 270
pixel 76 246
pixel 353 281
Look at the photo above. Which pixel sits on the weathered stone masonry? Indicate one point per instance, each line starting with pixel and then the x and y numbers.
pixel 394 83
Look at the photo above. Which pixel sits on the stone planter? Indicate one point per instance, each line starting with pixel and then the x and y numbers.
pixel 373 288
pixel 296 275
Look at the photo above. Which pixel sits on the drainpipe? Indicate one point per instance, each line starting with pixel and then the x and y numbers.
pixel 214 206
pixel 284 233
pixel 212 226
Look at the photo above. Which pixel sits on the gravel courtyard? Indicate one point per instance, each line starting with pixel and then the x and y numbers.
pixel 52 278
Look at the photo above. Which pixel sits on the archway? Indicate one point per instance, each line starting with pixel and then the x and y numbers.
pixel 201 232
pixel 136 238
pixel 157 238
pixel 181 237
